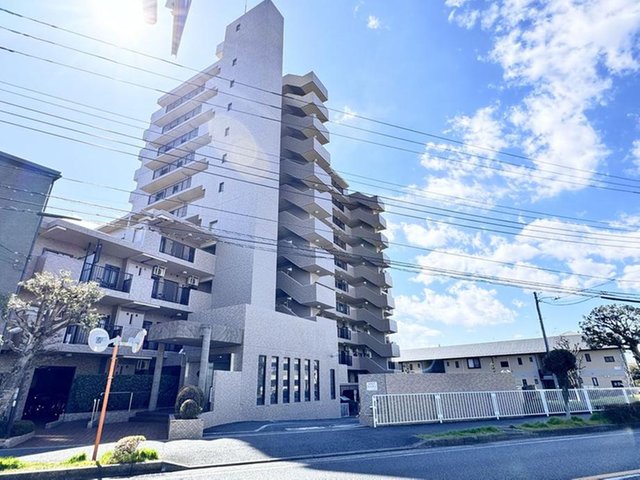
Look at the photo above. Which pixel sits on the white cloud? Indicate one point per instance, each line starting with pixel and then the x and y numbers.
pixel 346 115
pixel 464 304
pixel 374 23
pixel 357 7
pixel 433 235
pixel 564 54
pixel 414 335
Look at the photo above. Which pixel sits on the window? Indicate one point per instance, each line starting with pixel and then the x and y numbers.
pixel 178 141
pixel 262 372
pixel 340 263
pixel 530 359
pixel 338 223
pixel 237 27
pixel 184 98
pixel 224 158
pixel 307 380
pixel 457 364
pixel 448 364
pixel 177 249
pixel 332 383
pixel 226 132
pixel 231 83
pixel 274 381
pixel 316 380
pixel 519 360
pixel 587 357
pixel 524 382
pixel 188 158
pixel 609 359
pixel 179 212
pixel 296 380
pixel 221 187
pixel 617 384
pixel 473 363
pixel 229 105
pixel 181 119
pixel 286 379
pixel 342 284
pixel 535 380
pixel 343 308
pixel 504 364
pixel 234 62
pixel 594 380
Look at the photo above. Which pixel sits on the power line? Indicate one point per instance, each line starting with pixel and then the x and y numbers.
pixel 482 227
pixel 281 95
pixel 365 238
pixel 393 147
pixel 348 174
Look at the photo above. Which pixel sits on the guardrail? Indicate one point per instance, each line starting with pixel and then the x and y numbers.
pixel 408 408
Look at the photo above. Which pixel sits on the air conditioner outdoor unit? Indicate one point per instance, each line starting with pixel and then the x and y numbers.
pixel 193 281
pixel 158 271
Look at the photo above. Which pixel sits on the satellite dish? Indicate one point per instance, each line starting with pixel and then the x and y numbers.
pixel 99 339
pixel 136 342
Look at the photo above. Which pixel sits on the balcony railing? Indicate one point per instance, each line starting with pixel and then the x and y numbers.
pixel 345 359
pixel 344 332
pixel 107 277
pixel 170 292
pixel 79 335
pixel 190 157
pixel 184 98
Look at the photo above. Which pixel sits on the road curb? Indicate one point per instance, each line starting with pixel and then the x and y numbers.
pixel 100 471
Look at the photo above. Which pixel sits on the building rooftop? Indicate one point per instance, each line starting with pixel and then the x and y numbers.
pixel 26 164
pixel 490 349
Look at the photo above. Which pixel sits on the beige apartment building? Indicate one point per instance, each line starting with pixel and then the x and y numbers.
pixel 604 368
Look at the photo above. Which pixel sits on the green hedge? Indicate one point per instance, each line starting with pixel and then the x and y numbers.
pixel 86 388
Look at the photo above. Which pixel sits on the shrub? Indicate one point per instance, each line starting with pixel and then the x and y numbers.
pixel 145 454
pixel 77 458
pixel 622 413
pixel 125 449
pixel 189 410
pixel 11 463
pixel 189 392
pixel 22 427
pixel 140 455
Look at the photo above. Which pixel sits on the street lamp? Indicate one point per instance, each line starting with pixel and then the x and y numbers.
pixel 98 342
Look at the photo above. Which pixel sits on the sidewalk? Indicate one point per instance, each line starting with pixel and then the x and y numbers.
pixel 253 442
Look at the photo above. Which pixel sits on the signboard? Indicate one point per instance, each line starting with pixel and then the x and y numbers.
pixel 372 386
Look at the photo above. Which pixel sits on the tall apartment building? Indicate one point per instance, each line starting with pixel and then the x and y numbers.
pixel 279 297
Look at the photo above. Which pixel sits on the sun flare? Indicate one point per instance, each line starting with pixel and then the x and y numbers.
pixel 123 19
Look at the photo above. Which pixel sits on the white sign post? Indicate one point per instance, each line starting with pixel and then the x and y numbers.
pixel 98 342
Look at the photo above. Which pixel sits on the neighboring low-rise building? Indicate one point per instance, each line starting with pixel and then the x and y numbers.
pixel 602 368
pixel 24 191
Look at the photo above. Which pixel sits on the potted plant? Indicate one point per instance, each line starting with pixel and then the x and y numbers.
pixel 185 422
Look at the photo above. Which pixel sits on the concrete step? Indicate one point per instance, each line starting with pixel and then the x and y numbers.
pixel 156 416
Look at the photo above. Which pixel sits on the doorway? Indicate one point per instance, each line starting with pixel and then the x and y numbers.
pixel 48 393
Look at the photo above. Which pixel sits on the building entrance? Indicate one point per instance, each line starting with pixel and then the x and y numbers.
pixel 48 394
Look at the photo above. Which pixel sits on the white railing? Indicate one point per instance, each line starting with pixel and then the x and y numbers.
pixel 97 404
pixel 407 408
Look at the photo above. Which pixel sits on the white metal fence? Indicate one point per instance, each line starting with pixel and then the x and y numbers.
pixel 407 408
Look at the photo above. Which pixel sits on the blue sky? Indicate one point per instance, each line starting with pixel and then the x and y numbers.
pixel 557 85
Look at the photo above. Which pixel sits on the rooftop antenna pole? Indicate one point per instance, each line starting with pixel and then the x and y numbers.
pixel 245 6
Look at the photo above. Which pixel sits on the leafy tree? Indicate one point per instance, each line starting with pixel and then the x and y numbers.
pixel 47 304
pixel 613 325
pixel 575 379
pixel 634 371
pixel 561 362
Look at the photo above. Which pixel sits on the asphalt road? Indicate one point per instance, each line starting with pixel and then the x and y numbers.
pixel 544 458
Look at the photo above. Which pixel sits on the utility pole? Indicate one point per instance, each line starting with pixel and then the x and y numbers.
pixel 544 333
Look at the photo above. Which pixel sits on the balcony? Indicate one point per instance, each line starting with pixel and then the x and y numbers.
pixel 380 348
pixel 173 200
pixel 313 295
pixel 305 84
pixel 368 216
pixel 373 275
pixel 370 365
pixel 153 161
pixel 308 172
pixel 79 335
pixel 182 105
pixel 374 296
pixel 310 228
pixel 310 200
pixel 312 260
pixel 308 126
pixel 173 173
pixel 309 103
pixel 344 332
pixel 177 127
pixel 345 359
pixel 371 236
pixel 170 292
pixel 375 320
pixel 310 149
pixel 108 277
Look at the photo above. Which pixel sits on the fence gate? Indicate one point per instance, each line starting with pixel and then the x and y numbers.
pixel 408 408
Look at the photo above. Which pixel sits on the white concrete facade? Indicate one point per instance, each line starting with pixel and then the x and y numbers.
pixel 272 282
